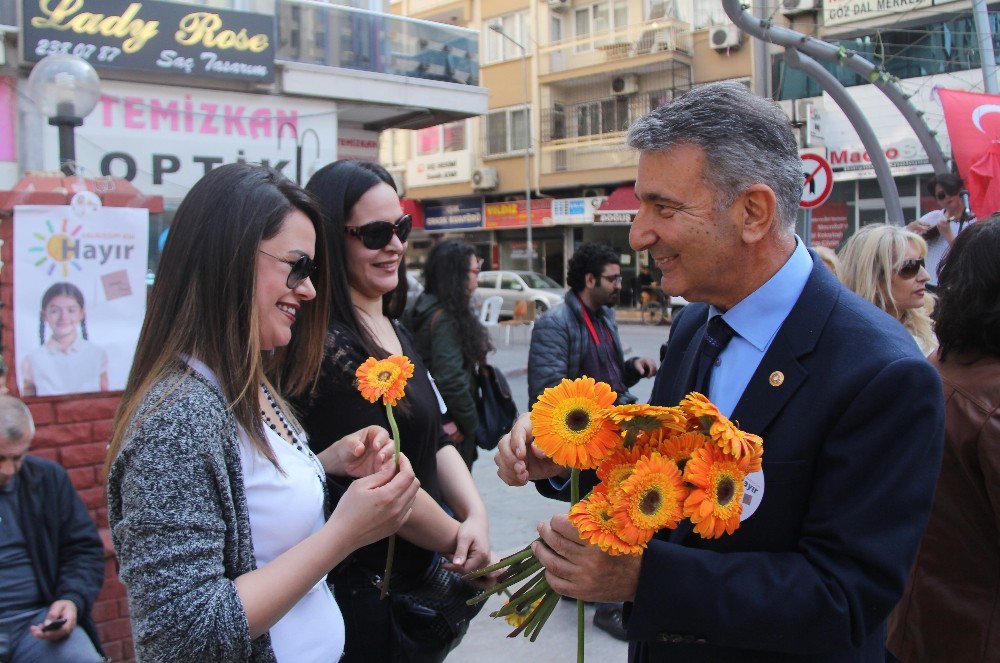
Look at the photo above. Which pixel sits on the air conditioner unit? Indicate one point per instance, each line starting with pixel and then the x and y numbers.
pixel 627 84
pixel 559 5
pixel 724 37
pixel 485 179
pixel 793 7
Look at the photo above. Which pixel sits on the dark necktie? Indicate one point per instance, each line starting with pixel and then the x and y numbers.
pixel 716 338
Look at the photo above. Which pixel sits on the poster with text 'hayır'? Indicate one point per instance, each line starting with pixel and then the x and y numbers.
pixel 79 295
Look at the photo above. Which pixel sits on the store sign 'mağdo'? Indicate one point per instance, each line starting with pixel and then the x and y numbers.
pixel 152 36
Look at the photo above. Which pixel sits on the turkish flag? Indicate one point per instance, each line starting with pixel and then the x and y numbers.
pixel 973 121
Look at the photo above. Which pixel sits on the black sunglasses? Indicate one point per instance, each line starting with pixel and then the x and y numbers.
pixel 302 268
pixel 377 234
pixel 941 195
pixel 910 268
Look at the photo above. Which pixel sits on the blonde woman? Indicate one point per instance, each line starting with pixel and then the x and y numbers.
pixel 885 265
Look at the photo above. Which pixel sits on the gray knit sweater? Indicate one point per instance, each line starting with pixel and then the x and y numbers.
pixel 179 521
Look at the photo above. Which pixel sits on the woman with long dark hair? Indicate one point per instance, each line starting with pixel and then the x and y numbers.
pixel 216 504
pixel 951 608
pixel 366 232
pixel 450 339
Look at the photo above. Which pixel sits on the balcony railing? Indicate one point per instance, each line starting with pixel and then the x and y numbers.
pixel 621 44
pixel 335 36
pixel 590 134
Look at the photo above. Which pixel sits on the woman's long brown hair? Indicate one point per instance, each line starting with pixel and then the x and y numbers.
pixel 203 306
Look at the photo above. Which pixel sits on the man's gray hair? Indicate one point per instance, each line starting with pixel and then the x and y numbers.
pixel 747 140
pixel 15 420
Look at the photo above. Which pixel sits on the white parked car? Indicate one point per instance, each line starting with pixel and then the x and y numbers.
pixel 515 287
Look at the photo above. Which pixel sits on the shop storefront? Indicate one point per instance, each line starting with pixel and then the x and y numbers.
pixel 857 200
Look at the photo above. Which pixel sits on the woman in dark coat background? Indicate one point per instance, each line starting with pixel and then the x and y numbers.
pixel 450 339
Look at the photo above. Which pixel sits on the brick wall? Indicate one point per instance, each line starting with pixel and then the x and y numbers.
pixel 74 431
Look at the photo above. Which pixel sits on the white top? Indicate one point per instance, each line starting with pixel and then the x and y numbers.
pixel 76 370
pixel 937 248
pixel 284 510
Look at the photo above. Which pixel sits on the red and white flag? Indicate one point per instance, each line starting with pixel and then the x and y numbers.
pixel 973 121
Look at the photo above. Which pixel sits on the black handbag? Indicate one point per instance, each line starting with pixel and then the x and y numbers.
pixel 431 619
pixel 497 410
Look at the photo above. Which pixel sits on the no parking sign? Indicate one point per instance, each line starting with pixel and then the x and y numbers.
pixel 817 180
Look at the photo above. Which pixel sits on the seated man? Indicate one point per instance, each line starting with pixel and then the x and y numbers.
pixel 51 557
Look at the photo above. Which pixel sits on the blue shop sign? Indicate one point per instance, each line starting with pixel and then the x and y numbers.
pixel 462 213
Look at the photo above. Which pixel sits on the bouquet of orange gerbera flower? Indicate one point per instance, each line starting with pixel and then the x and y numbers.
pixel 656 465
pixel 385 380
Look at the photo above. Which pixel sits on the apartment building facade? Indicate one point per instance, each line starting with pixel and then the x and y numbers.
pixel 555 129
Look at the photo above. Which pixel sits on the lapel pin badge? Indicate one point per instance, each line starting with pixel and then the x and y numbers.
pixel 777 379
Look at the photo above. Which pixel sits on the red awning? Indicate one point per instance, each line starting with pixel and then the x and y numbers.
pixel 415 209
pixel 620 206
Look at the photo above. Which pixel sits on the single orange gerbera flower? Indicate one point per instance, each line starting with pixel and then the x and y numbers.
pixel 704 416
pixel 384 378
pixel 677 448
pixel 635 418
pixel 617 467
pixel 649 500
pixel 733 441
pixel 570 425
pixel 699 411
pixel 593 519
pixel 716 501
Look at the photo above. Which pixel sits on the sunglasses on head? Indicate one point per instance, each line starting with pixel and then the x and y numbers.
pixel 910 268
pixel 378 234
pixel 301 268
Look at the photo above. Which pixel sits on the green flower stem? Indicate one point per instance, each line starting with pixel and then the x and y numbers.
pixel 574 490
pixel 527 586
pixel 391 554
pixel 526 599
pixel 548 606
pixel 519 556
pixel 515 569
pixel 529 621
pixel 500 587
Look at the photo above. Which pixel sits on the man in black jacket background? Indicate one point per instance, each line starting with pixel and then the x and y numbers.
pixel 51 557
pixel 581 337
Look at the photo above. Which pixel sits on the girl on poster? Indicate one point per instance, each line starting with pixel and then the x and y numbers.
pixel 66 363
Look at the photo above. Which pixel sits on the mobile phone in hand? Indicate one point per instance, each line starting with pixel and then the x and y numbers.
pixel 54 625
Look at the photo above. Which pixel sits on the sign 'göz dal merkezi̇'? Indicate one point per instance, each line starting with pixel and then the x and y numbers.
pixel 166 37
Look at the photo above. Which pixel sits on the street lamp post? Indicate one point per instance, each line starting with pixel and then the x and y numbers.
pixel 66 89
pixel 497 28
pixel 299 144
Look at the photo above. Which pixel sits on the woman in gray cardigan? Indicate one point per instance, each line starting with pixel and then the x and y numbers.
pixel 216 504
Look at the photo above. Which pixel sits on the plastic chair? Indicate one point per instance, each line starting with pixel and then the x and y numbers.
pixel 489 315
pixel 524 316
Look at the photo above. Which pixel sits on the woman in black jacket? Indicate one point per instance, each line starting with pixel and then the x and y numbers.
pixel 366 232
pixel 450 339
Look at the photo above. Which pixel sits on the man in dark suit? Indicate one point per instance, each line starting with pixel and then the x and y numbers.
pixel 850 412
